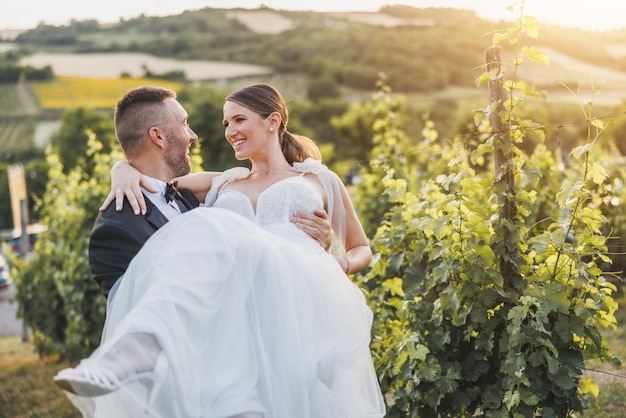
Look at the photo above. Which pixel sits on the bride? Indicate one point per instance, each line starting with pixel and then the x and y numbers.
pixel 230 310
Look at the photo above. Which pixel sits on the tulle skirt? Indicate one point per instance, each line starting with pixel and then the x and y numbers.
pixel 246 320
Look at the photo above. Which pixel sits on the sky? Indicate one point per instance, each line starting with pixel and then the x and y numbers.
pixel 584 14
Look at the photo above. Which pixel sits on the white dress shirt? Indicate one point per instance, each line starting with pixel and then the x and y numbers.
pixel 171 209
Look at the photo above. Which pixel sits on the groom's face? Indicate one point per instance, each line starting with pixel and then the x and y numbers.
pixel 179 137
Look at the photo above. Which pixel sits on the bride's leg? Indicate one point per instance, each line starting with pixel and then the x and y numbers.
pixel 132 356
pixel 133 353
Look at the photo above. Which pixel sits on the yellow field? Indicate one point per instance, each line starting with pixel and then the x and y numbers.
pixel 100 93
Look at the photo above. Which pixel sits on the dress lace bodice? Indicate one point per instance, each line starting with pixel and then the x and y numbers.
pixel 276 204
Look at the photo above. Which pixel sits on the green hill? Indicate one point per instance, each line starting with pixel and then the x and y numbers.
pixel 420 50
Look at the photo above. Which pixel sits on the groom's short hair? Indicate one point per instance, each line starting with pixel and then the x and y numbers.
pixel 136 112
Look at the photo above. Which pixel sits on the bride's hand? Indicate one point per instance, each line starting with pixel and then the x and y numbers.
pixel 126 182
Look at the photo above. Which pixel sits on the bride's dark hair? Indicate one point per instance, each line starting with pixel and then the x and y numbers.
pixel 265 100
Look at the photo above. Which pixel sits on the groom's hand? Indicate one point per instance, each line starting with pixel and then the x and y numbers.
pixel 316 225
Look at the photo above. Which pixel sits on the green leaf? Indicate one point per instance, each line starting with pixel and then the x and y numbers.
pixel 395 286
pixel 577 152
pixel 598 173
pixel 597 123
pixel 556 298
pixel 537 56
pixel 531 27
pixel 418 352
pixel 589 386
pixel 483 78
pixel 511 399
pixel 486 253
pixel 395 188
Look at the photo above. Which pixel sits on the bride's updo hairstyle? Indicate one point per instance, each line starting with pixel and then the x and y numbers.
pixel 264 100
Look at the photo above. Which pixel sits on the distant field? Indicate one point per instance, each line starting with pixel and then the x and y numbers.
pixel 111 65
pixel 577 75
pixel 617 50
pixel 262 21
pixel 562 69
pixel 68 92
pixel 265 21
pixel 381 19
pixel 4 47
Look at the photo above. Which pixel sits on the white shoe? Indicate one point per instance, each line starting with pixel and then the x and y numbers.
pixel 87 382
pixel 98 381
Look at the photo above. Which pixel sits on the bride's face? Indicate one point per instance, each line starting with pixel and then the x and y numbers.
pixel 246 131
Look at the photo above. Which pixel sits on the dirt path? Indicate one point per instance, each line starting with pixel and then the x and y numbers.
pixel 10 325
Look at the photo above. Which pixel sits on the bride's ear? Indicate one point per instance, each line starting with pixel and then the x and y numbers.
pixel 274 120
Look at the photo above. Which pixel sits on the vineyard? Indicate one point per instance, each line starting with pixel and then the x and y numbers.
pixel 17 124
pixel 16 134
pixel 11 101
pixel 498 234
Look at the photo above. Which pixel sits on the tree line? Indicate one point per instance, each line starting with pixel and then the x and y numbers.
pixel 415 57
pixel 12 72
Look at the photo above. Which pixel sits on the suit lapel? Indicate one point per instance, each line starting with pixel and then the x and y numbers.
pixel 154 215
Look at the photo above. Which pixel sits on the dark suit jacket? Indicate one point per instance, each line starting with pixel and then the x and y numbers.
pixel 118 236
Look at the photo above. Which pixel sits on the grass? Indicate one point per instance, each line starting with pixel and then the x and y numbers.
pixel 26 387
pixel 27 390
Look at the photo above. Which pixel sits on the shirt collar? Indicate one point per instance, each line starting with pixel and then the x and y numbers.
pixel 156 184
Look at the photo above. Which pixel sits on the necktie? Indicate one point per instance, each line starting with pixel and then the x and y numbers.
pixel 172 194
pixel 170 191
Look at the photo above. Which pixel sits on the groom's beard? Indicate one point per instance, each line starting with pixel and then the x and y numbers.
pixel 177 160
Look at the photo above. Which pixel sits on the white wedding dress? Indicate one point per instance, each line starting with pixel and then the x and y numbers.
pixel 251 315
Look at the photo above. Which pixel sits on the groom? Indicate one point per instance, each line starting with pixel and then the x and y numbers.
pixel 152 129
